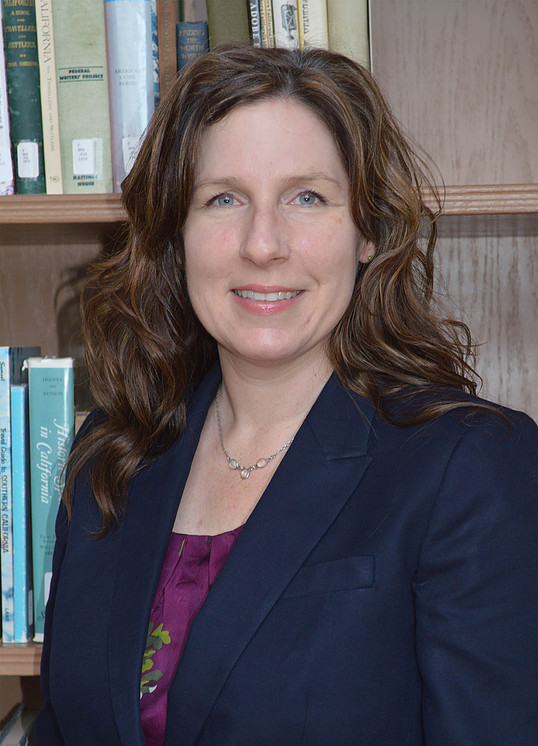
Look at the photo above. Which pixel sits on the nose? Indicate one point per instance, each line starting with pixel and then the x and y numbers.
pixel 265 236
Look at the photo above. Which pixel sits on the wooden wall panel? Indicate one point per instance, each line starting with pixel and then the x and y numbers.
pixel 493 283
pixel 39 295
pixel 461 75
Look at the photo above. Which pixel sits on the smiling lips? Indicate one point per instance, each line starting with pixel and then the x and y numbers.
pixel 267 297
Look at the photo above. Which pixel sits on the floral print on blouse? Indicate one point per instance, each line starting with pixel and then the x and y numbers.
pixel 191 566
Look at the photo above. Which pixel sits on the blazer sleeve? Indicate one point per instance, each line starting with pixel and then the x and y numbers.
pixel 475 592
pixel 46 730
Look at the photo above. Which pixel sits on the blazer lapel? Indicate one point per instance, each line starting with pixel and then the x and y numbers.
pixel 310 487
pixel 154 497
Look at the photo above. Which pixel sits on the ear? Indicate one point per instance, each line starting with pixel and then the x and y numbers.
pixel 365 252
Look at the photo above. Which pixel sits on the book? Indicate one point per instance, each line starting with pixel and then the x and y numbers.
pixel 167 18
pixel 155 53
pixel 286 25
pixel 7 182
pixel 51 404
pixel 130 79
pixel 267 28
pixel 348 22
pixel 192 40
pixel 254 23
pixel 11 372
pixel 22 535
pixel 49 97
pixel 16 732
pixel 227 21
pixel 192 10
pixel 24 103
pixel 82 84
pixel 313 24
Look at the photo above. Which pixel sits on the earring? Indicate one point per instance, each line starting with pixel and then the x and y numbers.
pixel 371 256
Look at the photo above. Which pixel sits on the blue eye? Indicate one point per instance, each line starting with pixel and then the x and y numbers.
pixel 224 200
pixel 308 199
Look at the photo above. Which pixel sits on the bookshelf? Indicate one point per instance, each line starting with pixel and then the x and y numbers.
pixel 461 78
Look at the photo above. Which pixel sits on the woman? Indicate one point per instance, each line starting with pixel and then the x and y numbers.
pixel 289 520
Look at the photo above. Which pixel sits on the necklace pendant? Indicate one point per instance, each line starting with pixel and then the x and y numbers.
pixel 233 464
pixel 245 473
pixel 261 462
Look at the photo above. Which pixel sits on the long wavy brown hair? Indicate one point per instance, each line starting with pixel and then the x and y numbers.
pixel 144 345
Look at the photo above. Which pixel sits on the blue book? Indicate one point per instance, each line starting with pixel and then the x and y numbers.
pixel 192 40
pixel 11 372
pixel 22 537
pixel 52 424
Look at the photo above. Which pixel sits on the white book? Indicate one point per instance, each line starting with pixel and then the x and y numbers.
pixel 349 31
pixel 313 24
pixel 286 24
pixel 129 25
pixel 7 180
pixel 49 97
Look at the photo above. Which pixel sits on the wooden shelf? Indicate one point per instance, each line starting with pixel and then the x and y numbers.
pixel 64 208
pixel 496 199
pixel 20 660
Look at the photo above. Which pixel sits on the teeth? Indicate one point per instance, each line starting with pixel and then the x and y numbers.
pixel 251 295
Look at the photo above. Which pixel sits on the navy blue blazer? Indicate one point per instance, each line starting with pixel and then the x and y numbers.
pixel 383 591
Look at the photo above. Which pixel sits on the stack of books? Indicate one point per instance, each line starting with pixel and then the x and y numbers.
pixel 37 426
pixel 80 81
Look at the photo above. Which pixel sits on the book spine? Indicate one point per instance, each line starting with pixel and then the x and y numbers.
pixel 11 372
pixel 267 25
pixel 167 18
pixel 7 181
pixel 286 24
pixel 22 72
pixel 254 23
pixel 131 82
pixel 227 21
pixel 313 24
pixel 49 97
pixel 349 30
pixel 6 505
pixel 155 53
pixel 51 393
pixel 82 84
pixel 22 540
pixel 192 41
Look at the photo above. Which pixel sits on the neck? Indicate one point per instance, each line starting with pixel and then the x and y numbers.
pixel 264 399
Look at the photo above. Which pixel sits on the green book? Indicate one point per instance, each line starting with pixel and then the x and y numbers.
pixel 82 86
pixel 52 425
pixel 227 21
pixel 24 102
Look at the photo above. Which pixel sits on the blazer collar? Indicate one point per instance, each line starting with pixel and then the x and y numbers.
pixel 154 496
pixel 315 478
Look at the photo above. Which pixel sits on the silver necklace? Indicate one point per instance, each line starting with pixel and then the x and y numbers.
pixel 244 471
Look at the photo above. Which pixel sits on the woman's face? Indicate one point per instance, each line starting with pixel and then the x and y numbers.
pixel 271 249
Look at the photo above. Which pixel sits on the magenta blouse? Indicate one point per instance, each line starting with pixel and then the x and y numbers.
pixel 191 566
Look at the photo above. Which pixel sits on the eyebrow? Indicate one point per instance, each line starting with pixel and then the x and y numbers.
pixel 289 180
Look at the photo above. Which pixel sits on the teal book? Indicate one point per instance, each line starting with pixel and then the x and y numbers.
pixel 23 95
pixel 11 372
pixel 52 415
pixel 192 40
pixel 22 536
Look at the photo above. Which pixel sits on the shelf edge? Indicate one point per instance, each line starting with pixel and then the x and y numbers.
pixel 499 199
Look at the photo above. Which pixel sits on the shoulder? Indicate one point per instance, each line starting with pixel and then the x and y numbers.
pixel 456 415
pixel 470 437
